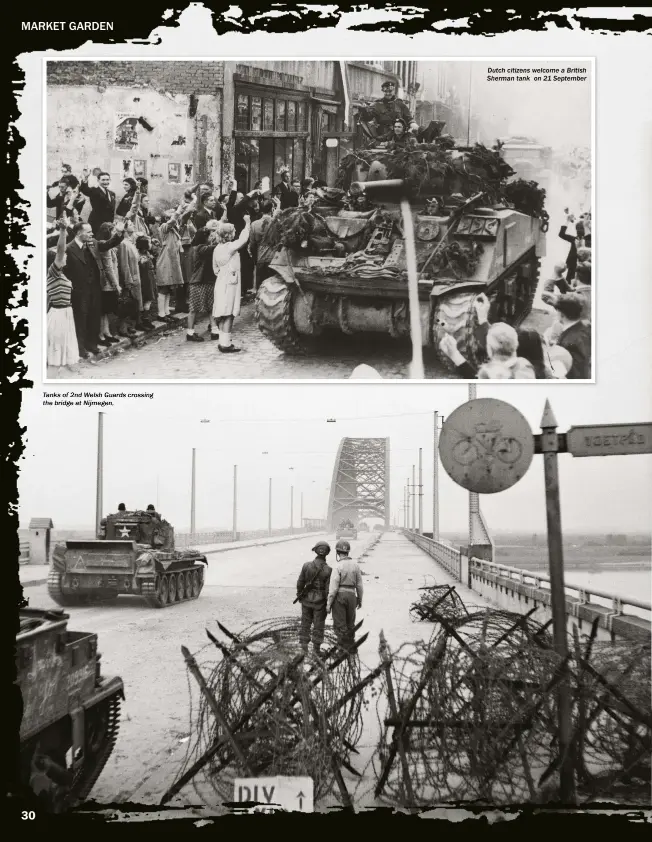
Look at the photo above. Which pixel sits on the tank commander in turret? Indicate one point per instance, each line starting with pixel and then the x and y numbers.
pixel 122 507
pixel 384 111
pixel 152 511
pixel 399 137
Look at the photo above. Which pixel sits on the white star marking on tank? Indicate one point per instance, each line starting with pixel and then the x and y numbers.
pixel 124 532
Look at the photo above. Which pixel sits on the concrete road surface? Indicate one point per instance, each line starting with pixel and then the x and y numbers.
pixel 143 646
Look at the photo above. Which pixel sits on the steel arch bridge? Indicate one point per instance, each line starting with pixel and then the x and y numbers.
pixel 360 486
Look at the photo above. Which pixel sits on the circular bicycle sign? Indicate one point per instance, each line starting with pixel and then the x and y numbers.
pixel 486 446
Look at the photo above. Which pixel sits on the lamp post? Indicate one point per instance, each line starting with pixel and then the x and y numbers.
pixel 235 502
pixel 269 508
pixel 414 513
pixel 435 481
pixel 99 490
pixel 420 494
pixel 192 497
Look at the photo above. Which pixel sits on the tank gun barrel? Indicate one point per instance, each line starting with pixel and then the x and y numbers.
pixel 388 190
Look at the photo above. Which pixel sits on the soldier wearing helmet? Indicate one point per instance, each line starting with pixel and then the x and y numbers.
pixel 312 591
pixel 345 595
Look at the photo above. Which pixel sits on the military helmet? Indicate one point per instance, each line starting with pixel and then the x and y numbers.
pixel 343 547
pixel 322 548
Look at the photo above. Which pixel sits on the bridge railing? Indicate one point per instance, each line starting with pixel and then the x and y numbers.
pixel 225 536
pixel 449 557
pixel 582 594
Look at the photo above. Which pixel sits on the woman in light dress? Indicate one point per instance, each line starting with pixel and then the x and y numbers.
pixel 228 292
pixel 168 264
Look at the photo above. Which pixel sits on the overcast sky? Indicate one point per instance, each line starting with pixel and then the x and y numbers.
pixel 148 443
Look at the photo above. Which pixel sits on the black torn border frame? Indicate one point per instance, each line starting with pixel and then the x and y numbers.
pixel 134 23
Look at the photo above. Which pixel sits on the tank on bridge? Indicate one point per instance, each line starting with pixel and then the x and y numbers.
pixel 134 554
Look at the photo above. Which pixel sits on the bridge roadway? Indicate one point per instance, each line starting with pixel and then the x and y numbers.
pixel 142 645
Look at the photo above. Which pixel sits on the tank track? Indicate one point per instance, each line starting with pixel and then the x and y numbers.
pixel 55 591
pixel 86 777
pixel 153 595
pixel 274 316
pixel 454 314
pixel 532 291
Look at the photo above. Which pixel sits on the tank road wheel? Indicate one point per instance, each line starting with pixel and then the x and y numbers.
pixel 455 314
pixel 181 586
pixel 164 591
pixel 55 590
pixel 274 316
pixel 196 583
pixel 151 590
pixel 189 592
pixel 173 588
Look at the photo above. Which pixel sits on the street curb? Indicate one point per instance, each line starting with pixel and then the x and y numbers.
pixel 141 338
pixel 35 582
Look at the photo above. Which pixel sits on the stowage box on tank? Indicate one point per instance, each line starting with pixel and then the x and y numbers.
pixel 134 554
pixel 71 713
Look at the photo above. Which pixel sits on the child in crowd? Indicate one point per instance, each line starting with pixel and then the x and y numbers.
pixel 147 278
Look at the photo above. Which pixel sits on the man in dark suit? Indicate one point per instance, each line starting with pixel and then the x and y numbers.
pixel 83 268
pixel 102 200
pixel 575 336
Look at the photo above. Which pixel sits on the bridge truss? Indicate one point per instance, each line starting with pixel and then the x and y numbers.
pixel 360 486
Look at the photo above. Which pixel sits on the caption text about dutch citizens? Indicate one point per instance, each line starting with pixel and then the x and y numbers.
pixel 529 74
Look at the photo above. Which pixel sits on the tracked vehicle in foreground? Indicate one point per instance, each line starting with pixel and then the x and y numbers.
pixel 71 713
pixel 341 263
pixel 134 554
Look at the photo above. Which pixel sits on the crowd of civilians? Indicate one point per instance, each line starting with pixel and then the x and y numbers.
pixel 124 267
pixel 563 352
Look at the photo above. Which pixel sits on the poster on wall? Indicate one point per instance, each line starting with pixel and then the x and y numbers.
pixel 125 135
pixel 174 173
pixel 140 168
pixel 187 173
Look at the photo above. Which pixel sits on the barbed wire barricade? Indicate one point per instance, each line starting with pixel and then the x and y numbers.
pixel 438 601
pixel 268 708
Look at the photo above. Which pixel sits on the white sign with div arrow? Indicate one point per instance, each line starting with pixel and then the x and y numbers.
pixel 294 794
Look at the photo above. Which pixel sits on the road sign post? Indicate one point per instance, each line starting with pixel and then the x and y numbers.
pixel 486 446
pixel 549 446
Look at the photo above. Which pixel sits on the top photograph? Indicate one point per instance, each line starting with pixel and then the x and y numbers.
pixel 320 220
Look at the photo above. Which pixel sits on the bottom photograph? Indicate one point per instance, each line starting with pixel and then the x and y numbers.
pixel 249 611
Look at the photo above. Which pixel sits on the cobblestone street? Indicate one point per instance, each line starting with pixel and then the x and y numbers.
pixel 171 357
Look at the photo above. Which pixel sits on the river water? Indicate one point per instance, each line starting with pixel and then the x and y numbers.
pixel 635 584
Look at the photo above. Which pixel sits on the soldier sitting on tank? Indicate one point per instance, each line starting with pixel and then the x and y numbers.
pixel 398 137
pixel 151 510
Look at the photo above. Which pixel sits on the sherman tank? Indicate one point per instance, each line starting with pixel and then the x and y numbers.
pixel 133 554
pixel 346 529
pixel 340 261
pixel 71 713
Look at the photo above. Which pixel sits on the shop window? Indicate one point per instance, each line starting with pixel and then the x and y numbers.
pixel 268 115
pixel 292 116
pixel 242 114
pixel 302 117
pixel 256 113
pixel 280 115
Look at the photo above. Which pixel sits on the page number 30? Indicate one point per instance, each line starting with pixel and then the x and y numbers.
pixel 28 815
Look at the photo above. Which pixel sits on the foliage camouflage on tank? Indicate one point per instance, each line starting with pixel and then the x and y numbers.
pixel 340 264
pixel 134 554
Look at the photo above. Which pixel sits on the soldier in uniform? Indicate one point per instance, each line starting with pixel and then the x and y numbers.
pixel 384 111
pixel 345 595
pixel 399 135
pixel 312 591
